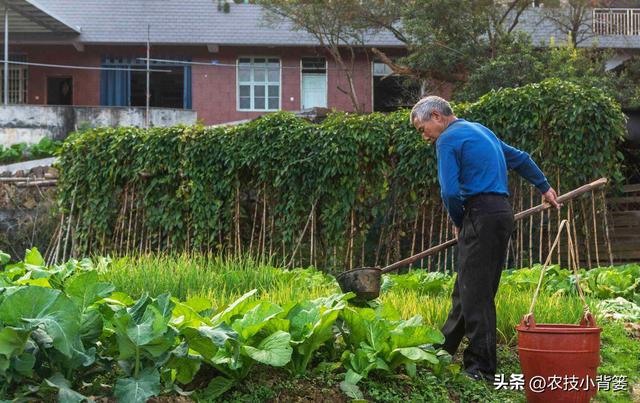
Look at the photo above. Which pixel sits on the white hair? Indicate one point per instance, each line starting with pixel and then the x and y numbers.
pixel 427 105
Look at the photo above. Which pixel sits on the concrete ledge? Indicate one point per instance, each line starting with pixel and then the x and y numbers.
pixel 27 165
pixel 30 123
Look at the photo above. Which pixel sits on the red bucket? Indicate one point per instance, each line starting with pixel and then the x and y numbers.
pixel 559 362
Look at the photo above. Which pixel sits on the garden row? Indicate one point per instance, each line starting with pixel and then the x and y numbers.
pixel 76 327
pixel 61 326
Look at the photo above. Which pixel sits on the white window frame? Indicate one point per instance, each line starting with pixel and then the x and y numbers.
pixel 326 77
pixel 18 81
pixel 252 84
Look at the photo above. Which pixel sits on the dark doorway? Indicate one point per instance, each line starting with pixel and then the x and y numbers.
pixel 59 91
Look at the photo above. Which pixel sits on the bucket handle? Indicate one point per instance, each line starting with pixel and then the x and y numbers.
pixel 587 318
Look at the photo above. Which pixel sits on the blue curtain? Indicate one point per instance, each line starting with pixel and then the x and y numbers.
pixel 115 86
pixel 187 87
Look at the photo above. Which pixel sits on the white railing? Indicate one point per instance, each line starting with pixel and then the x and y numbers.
pixel 616 21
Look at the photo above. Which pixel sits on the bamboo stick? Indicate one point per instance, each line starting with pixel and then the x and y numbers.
pixel 55 259
pixel 136 217
pixel 424 213
pixel 605 213
pixel 413 237
pixel 351 236
pixel 66 239
pixel 521 231
pixel 585 231
pixel 130 219
pixel 521 215
pixel 264 220
pixel 530 228
pixel 541 243
pixel 440 233
pixel 271 230
pixel 549 231
pixel 446 251
pixel 306 225
pixel 430 234
pixel 573 226
pixel 595 227
pixel 558 215
pixel 506 260
pixel 238 238
pixel 253 228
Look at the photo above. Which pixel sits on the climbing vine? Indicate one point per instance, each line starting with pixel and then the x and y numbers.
pixel 354 190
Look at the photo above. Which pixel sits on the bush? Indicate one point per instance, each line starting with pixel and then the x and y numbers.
pixel 358 183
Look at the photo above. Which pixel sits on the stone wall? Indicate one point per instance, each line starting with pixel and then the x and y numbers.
pixel 28 216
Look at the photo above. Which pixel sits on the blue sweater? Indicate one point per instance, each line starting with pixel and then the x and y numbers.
pixel 472 160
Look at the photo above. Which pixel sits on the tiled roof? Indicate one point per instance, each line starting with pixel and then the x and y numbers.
pixel 181 22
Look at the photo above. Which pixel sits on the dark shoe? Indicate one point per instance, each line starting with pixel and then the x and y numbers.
pixel 478 376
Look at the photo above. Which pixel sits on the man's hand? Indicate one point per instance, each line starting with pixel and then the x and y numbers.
pixel 456 231
pixel 551 197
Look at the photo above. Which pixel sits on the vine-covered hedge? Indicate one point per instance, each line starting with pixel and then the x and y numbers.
pixel 354 190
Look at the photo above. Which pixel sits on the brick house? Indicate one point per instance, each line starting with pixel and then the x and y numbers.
pixel 225 66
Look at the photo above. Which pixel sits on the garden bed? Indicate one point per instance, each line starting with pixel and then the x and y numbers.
pixel 203 328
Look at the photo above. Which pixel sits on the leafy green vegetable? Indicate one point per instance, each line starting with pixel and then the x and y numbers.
pixel 138 389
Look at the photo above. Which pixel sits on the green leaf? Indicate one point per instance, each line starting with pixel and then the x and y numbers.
pixel 24 364
pixel 355 320
pixel 138 390
pixel 91 325
pixel 12 341
pixel 152 326
pixel 217 387
pixel 237 307
pixel 185 364
pixel 65 393
pixel 84 289
pixel 351 390
pixel 377 335
pixel 255 319
pixel 352 377
pixel 198 304
pixel 274 350
pixel 207 340
pixel 4 258
pixel 33 257
pixel 185 316
pixel 31 307
pixel 406 335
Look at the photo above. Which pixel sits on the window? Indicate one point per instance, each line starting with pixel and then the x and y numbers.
pixel 258 84
pixel 314 82
pixel 17 80
pixel 127 86
pixel 391 91
pixel 314 65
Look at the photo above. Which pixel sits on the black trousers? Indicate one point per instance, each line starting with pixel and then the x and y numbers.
pixel 482 246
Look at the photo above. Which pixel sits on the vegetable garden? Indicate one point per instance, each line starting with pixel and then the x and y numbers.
pixel 197 264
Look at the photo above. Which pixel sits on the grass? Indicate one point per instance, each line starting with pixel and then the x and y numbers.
pixel 224 280
pixel 219 280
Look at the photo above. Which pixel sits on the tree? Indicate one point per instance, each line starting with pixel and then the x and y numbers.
pixel 445 39
pixel 333 23
pixel 572 17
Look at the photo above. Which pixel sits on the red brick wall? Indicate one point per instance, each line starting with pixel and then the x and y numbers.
pixel 86 83
pixel 213 87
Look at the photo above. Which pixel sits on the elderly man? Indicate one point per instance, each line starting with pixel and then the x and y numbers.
pixel 472 171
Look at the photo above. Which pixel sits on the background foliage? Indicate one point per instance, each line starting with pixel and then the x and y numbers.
pixel 354 190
